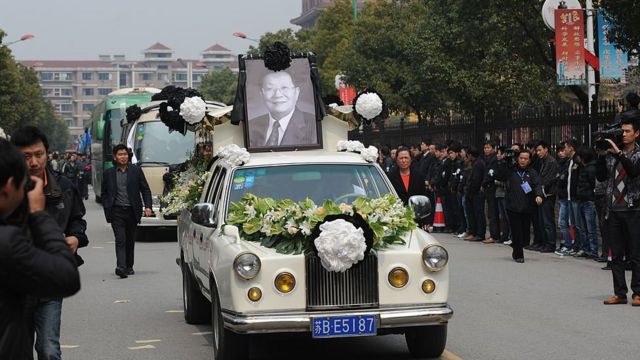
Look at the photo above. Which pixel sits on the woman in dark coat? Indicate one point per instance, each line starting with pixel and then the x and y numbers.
pixel 405 180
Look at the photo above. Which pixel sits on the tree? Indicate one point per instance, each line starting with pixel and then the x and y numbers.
pixel 625 15
pixel 219 86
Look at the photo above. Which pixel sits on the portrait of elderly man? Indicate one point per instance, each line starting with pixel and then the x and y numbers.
pixel 285 123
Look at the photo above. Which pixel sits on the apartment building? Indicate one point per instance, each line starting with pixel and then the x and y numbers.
pixel 311 10
pixel 74 87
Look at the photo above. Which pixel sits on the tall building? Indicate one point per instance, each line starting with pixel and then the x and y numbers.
pixel 311 11
pixel 74 87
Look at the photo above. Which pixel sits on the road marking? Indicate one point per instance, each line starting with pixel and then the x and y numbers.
pixel 97 247
pixel 147 341
pixel 121 301
pixel 174 311
pixel 202 333
pixel 69 346
pixel 448 355
pixel 141 347
pixel 111 242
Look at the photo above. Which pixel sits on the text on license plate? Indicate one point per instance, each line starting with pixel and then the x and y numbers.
pixel 335 326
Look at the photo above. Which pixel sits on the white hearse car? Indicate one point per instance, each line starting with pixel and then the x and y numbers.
pixel 244 288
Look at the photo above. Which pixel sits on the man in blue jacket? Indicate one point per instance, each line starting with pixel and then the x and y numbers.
pixel 121 190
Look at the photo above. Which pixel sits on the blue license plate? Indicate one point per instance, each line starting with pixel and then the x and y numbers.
pixel 341 326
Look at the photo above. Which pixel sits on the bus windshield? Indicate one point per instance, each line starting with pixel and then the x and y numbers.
pixel 114 116
pixel 155 144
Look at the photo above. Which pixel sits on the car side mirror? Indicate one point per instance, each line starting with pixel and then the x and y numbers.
pixel 232 231
pixel 421 206
pixel 203 214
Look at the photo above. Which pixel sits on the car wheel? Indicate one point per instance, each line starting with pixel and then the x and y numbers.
pixel 226 344
pixel 196 306
pixel 426 341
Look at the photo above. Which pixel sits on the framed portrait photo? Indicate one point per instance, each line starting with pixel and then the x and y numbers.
pixel 280 107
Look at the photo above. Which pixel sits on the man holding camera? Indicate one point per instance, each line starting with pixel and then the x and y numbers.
pixel 620 168
pixel 64 204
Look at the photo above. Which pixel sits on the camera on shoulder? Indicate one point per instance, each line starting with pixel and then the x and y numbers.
pixel 611 132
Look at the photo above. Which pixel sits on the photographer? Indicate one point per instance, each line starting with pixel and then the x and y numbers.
pixel 621 169
pixel 523 193
pixel 46 271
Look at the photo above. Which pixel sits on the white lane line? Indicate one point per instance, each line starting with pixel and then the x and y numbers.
pixel 174 311
pixel 124 301
pixel 69 346
pixel 147 341
pixel 141 347
pixel 97 247
pixel 111 242
pixel 202 333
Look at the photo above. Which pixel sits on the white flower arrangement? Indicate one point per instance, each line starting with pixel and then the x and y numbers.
pixel 3 135
pixel 233 154
pixel 340 245
pixel 369 154
pixel 186 191
pixel 193 109
pixel 369 105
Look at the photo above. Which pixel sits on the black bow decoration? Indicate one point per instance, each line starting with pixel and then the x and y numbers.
pixel 277 56
pixel 133 113
pixel 172 119
pixel 355 219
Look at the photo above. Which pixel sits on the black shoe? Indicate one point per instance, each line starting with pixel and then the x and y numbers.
pixel 628 266
pixel 547 249
pixel 121 272
pixel 519 260
pixel 606 267
pixel 529 247
pixel 129 271
pixel 601 259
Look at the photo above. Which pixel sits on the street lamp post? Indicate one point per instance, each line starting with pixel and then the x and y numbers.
pixel 242 35
pixel 22 38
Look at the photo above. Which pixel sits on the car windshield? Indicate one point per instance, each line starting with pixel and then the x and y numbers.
pixel 318 182
pixel 155 144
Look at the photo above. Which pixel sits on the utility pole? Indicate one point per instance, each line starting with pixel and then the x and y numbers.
pixel 591 74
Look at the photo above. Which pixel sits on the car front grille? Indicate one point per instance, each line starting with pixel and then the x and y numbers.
pixel 354 288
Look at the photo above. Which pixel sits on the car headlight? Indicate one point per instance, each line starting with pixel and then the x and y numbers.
pixel 247 265
pixel 285 282
pixel 398 277
pixel 435 257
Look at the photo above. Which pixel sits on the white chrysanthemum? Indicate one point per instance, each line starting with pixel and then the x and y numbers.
pixel 369 105
pixel 233 154
pixel 193 109
pixel 340 245
pixel 370 154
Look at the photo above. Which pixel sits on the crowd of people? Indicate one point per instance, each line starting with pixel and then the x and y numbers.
pixel 521 195
pixel 74 166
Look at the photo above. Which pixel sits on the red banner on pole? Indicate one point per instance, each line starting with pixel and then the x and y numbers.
pixel 346 94
pixel 570 60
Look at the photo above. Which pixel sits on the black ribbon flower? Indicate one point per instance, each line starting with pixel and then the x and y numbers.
pixel 133 113
pixel 355 219
pixel 277 56
pixel 172 119
pixel 164 93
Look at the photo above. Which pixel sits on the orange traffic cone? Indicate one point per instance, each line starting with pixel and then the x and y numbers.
pixel 438 218
pixel 610 256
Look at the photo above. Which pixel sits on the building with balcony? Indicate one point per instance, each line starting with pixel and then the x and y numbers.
pixel 74 87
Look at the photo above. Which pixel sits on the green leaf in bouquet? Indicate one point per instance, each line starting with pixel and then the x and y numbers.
pixel 251 226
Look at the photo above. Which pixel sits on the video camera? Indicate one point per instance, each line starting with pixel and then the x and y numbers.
pixel 612 132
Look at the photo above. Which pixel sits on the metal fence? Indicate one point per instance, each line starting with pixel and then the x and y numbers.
pixel 550 123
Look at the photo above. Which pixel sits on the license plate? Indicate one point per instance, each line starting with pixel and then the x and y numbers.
pixel 341 326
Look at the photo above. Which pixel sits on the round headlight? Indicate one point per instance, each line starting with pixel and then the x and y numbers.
pixel 428 286
pixel 435 257
pixel 285 282
pixel 247 265
pixel 398 277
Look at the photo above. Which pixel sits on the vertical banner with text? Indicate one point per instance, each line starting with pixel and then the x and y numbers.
pixel 613 61
pixel 570 64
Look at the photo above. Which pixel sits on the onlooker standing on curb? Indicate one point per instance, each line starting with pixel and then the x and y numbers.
pixel 546 210
pixel 501 192
pixel 621 169
pixel 489 189
pixel 46 270
pixel 585 195
pixel 387 162
pixel 474 197
pixel 64 204
pixel 405 180
pixel 523 194
pixel 567 185
pixel 122 186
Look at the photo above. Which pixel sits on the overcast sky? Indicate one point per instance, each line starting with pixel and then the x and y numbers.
pixel 82 29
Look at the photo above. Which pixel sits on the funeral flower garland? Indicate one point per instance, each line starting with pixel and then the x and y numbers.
pixel 286 225
pixel 186 187
pixel 369 154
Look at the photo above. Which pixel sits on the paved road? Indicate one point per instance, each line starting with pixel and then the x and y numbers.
pixel 547 308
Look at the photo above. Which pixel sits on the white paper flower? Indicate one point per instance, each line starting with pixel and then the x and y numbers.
pixel 369 105
pixel 340 245
pixel 233 154
pixel 350 145
pixel 2 134
pixel 193 109
pixel 370 154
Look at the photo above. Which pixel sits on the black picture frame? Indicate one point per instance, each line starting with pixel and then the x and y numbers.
pixel 304 130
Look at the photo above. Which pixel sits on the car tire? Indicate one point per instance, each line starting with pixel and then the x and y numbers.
pixel 196 307
pixel 227 345
pixel 426 341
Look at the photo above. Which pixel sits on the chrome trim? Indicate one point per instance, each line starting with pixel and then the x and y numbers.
pixel 301 321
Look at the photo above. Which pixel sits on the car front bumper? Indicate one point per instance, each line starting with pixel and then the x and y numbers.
pixel 387 318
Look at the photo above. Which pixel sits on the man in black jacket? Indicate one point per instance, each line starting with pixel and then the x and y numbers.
pixel 122 187
pixel 546 210
pixel 489 189
pixel 64 204
pixel 474 197
pixel 46 271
